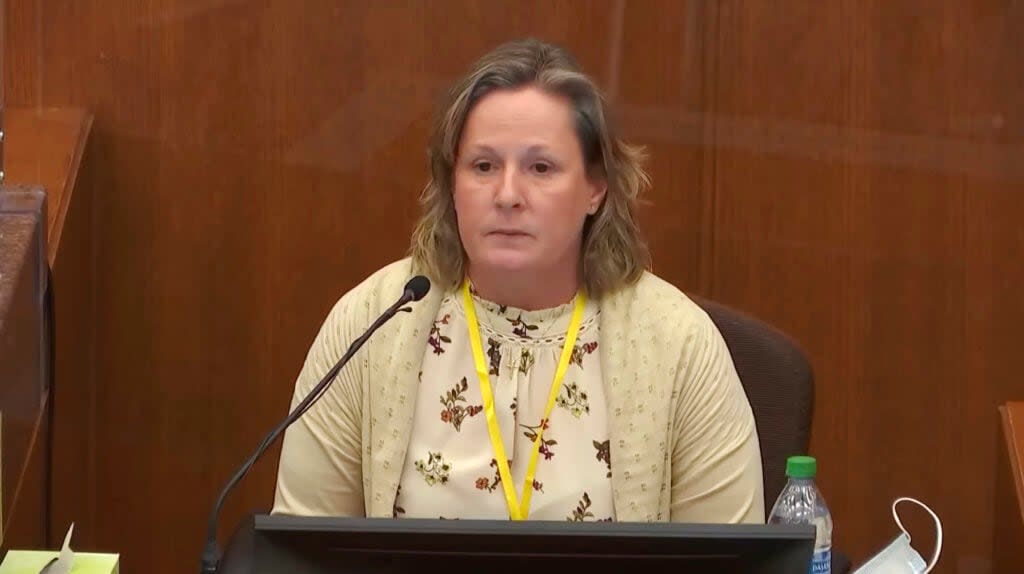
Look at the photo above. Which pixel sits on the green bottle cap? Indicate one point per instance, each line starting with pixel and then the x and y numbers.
pixel 801 467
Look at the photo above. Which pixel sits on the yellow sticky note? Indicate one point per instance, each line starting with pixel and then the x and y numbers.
pixel 32 561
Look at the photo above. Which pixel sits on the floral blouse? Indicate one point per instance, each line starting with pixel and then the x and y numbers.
pixel 450 469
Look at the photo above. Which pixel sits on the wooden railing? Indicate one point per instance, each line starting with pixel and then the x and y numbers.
pixel 1008 536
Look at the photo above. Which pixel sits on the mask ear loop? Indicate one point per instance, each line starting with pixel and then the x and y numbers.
pixel 938 528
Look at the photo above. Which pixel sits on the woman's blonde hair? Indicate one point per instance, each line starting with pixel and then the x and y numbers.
pixel 613 254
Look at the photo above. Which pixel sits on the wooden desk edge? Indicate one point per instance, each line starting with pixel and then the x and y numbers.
pixel 53 241
pixel 1012 415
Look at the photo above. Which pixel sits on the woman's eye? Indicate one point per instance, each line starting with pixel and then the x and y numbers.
pixel 541 167
pixel 483 166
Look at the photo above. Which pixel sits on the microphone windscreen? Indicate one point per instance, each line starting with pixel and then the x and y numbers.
pixel 418 287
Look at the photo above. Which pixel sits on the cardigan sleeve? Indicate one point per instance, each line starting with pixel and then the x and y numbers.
pixel 716 458
pixel 320 470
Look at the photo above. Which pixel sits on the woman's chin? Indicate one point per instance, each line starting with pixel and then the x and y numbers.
pixel 507 262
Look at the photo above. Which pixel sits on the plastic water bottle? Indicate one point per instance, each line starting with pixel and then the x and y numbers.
pixel 802 503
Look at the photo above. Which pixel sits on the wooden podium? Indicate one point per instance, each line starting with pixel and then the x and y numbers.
pixel 265 544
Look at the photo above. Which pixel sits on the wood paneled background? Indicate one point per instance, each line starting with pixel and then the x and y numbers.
pixel 849 171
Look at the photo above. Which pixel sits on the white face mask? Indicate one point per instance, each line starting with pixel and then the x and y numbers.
pixel 899 557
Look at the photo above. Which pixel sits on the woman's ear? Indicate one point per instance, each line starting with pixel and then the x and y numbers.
pixel 599 188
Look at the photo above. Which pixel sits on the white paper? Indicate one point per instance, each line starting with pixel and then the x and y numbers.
pixel 66 557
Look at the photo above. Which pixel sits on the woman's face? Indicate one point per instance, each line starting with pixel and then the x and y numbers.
pixel 521 188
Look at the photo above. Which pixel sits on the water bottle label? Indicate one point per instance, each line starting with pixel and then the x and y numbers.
pixel 822 562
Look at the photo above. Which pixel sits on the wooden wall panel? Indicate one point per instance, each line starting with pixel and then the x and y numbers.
pixel 992 116
pixel 658 86
pixel 781 222
pixel 849 171
pixel 22 40
pixel 867 215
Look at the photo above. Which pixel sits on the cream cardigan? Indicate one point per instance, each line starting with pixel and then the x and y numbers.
pixel 683 441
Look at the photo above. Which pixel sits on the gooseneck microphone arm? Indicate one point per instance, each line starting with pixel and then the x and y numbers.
pixel 415 290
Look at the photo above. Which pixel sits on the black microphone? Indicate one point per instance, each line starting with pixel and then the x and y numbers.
pixel 415 290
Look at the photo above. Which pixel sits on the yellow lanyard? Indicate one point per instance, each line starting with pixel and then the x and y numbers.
pixel 517 510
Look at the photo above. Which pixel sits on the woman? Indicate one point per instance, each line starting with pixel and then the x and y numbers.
pixel 547 375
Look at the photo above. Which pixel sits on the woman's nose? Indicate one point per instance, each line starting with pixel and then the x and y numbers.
pixel 509 192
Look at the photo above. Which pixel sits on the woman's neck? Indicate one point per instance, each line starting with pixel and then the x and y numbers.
pixel 525 290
